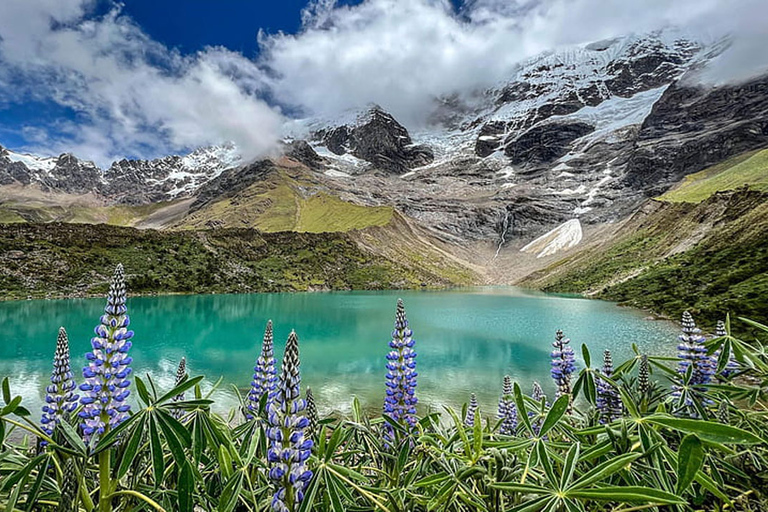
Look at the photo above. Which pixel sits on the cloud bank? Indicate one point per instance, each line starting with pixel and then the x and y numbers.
pixel 134 96
pixel 131 95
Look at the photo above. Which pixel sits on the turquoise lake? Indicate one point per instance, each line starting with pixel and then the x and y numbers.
pixel 466 340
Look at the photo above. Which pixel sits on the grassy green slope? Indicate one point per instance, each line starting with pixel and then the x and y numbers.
pixel 287 201
pixel 749 169
pixel 53 260
pixel 710 258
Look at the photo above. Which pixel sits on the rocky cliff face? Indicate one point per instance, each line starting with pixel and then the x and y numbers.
pixel 377 138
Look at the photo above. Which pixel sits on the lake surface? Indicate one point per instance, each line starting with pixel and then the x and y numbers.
pixel 466 340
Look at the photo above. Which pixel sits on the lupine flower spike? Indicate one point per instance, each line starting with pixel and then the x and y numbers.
pixel 537 393
pixel 106 376
pixel 469 419
pixel 400 402
pixel 68 487
pixel 732 366
pixel 643 377
pixel 264 376
pixel 691 351
pixel 60 397
pixel 312 416
pixel 723 412
pixel 563 365
pixel 289 448
pixel 609 403
pixel 507 409
pixel 181 371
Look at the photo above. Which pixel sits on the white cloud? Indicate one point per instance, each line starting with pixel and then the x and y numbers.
pixel 133 95
pixel 402 53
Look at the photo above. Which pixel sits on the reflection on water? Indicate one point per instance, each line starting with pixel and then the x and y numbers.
pixel 467 340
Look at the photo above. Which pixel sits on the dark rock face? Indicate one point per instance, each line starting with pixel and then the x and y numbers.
pixel 545 143
pixel 692 127
pixel 379 139
pixel 232 181
pixel 301 151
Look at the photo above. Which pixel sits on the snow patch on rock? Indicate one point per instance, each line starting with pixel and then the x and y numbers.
pixel 563 237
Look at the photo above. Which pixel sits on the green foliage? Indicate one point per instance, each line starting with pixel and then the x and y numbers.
pixel 556 460
pixel 52 260
pixel 749 169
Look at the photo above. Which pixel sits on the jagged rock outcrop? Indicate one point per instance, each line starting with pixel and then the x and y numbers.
pixel 379 139
pixel 545 143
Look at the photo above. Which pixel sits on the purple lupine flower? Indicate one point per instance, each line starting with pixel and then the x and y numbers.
pixel 691 351
pixel 563 364
pixel 60 397
pixel 264 376
pixel 400 402
pixel 609 403
pixel 507 409
pixel 732 366
pixel 106 376
pixel 469 419
pixel 181 371
pixel 289 448
pixel 312 414
pixel 537 393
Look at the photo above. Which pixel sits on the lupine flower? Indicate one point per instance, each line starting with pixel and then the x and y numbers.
pixel 469 419
pixel 264 376
pixel 644 377
pixel 723 412
pixel 181 371
pixel 563 364
pixel 691 351
pixel 60 397
pixel 289 448
pixel 106 376
pixel 537 393
pixel 311 414
pixel 400 402
pixel 68 487
pixel 732 366
pixel 507 409
pixel 609 402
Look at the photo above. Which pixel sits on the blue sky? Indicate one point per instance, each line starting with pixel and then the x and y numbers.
pixel 146 78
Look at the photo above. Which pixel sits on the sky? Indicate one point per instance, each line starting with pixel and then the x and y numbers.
pixel 146 78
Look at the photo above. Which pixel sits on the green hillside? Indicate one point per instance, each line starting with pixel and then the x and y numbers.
pixel 750 169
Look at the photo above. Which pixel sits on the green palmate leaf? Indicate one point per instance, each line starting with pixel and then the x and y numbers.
pixel 332 486
pixel 156 450
pixel 185 385
pixel 175 442
pixel 604 470
pixel 518 487
pixel 112 436
pixel 522 411
pixel 707 430
pixel 231 492
pixel 627 494
pixel 690 458
pixel 569 467
pixel 72 437
pixel 11 407
pixel 6 391
pixel 555 414
pixel 141 388
pixel 186 488
pixel 131 448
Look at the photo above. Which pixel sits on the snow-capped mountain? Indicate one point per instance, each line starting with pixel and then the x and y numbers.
pixel 575 137
pixel 125 181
